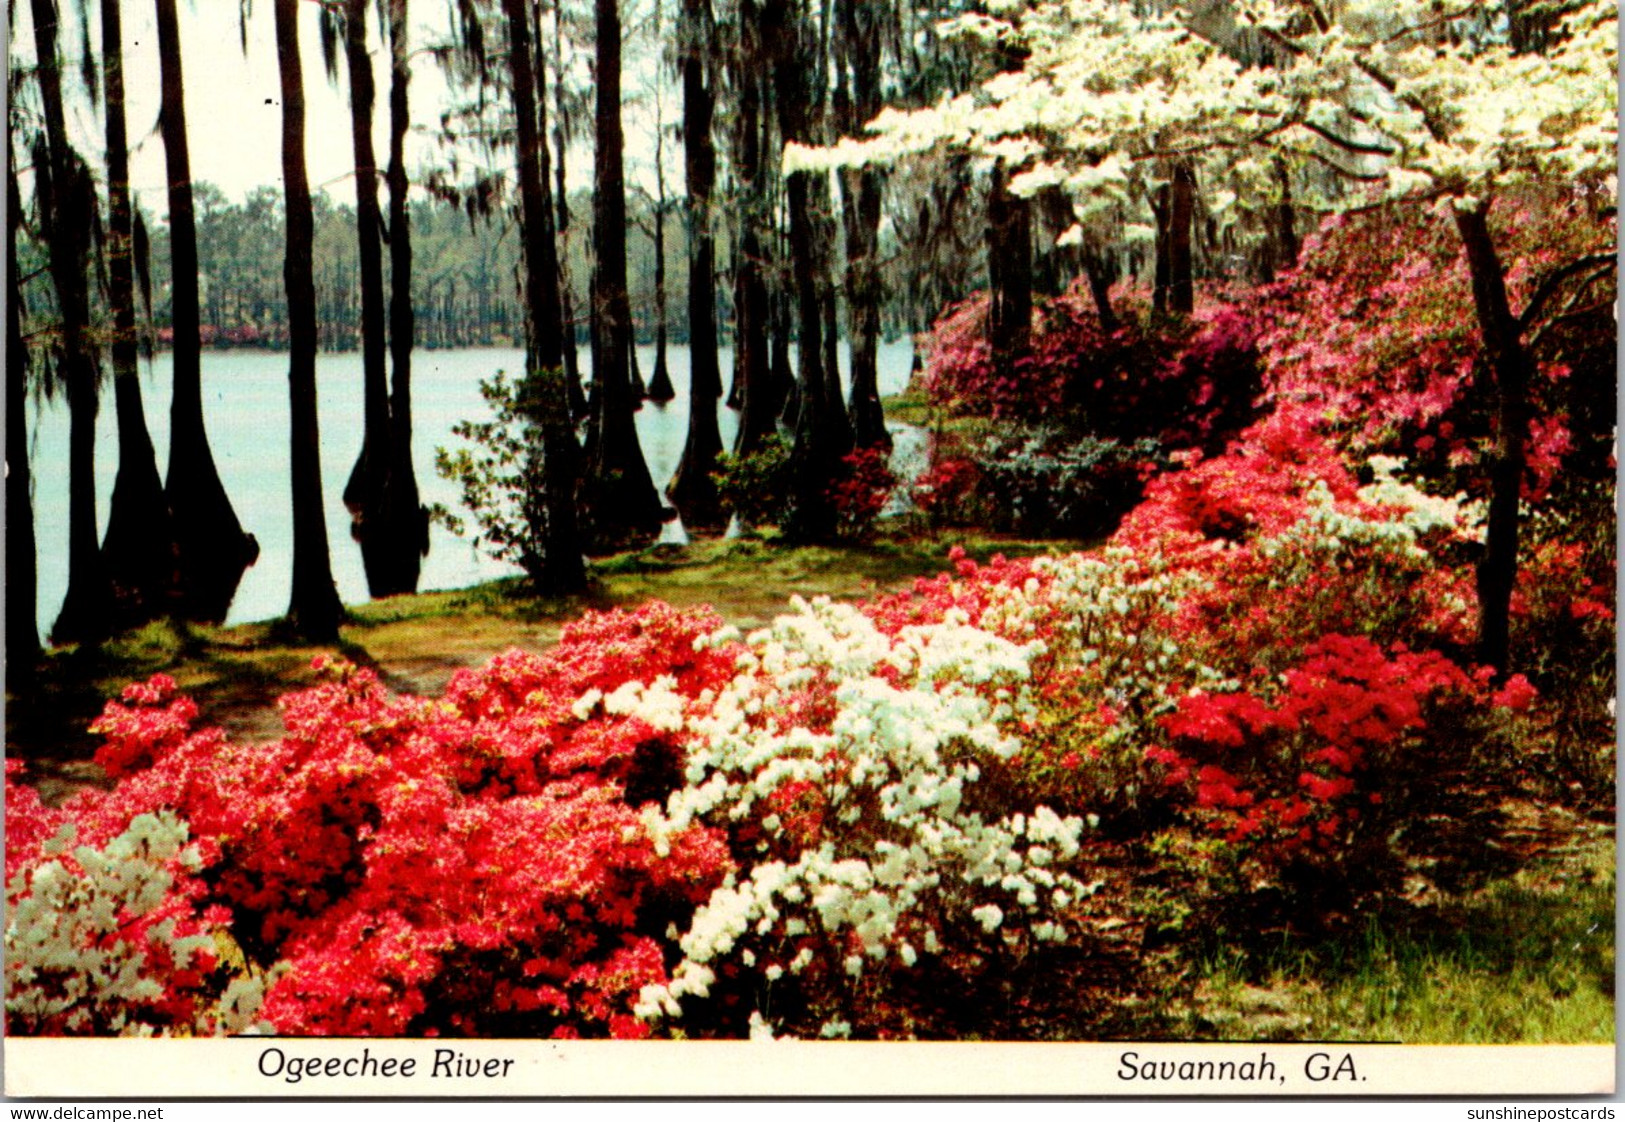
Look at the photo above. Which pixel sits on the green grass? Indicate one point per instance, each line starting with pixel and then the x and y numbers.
pixel 1527 959
pixel 417 642
pixel 915 408
pixel 911 407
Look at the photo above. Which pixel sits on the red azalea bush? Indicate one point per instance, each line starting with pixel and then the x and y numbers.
pixel 861 492
pixel 474 865
pixel 949 493
pixel 1318 774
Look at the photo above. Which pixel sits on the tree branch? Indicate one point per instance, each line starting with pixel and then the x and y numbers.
pixel 1280 40
pixel 1448 17
pixel 1601 262
pixel 1322 23
pixel 1570 312
pixel 1361 177
pixel 1347 145
pixel 1206 146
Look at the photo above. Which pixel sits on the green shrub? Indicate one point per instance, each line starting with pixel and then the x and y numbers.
pixel 756 486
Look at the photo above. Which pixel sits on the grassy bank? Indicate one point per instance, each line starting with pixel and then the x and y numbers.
pixel 1524 959
pixel 416 643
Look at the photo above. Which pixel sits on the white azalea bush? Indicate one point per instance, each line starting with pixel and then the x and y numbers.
pixel 102 940
pixel 846 765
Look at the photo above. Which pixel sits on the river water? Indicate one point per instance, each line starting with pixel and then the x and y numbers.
pixel 246 412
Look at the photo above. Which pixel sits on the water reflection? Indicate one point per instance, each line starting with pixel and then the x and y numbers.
pixel 246 411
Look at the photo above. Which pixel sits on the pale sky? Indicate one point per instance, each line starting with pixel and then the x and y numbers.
pixel 233 102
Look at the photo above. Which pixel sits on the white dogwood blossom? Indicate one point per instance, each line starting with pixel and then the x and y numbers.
pixel 1422 99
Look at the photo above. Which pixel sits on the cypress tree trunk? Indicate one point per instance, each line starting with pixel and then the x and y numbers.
pixel 387 523
pixel 1182 209
pixel 861 194
pixel 1098 269
pixel 1285 220
pixel 863 301
pixel 1513 367
pixel 619 497
pixel 404 515
pixel 781 284
pixel 761 397
pixel 782 370
pixel 1174 205
pixel 1162 280
pixel 816 453
pixel 659 388
pixel 572 366
pixel 138 552
pixel 366 484
pixel 692 488
pixel 213 548
pixel 829 308
pixel 735 397
pixel 1010 274
pixel 68 214
pixel 639 390
pixel 552 558
pixel 314 612
pixel 22 621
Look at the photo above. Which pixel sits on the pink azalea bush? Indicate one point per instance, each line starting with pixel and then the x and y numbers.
pixel 1182 381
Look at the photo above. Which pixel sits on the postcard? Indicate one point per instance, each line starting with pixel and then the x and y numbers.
pixel 739 548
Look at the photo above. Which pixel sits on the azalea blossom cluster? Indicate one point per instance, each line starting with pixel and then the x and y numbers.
pixel 475 864
pixel 570 843
pixel 109 939
pixel 1184 382
pixel 848 762
pixel 1367 330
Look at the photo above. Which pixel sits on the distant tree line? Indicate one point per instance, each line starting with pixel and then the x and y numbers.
pixel 463 284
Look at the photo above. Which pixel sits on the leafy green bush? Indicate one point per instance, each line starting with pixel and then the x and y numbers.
pixel 501 477
pixel 756 486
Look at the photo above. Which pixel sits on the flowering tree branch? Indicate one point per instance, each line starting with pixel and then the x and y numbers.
pixel 1598 263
